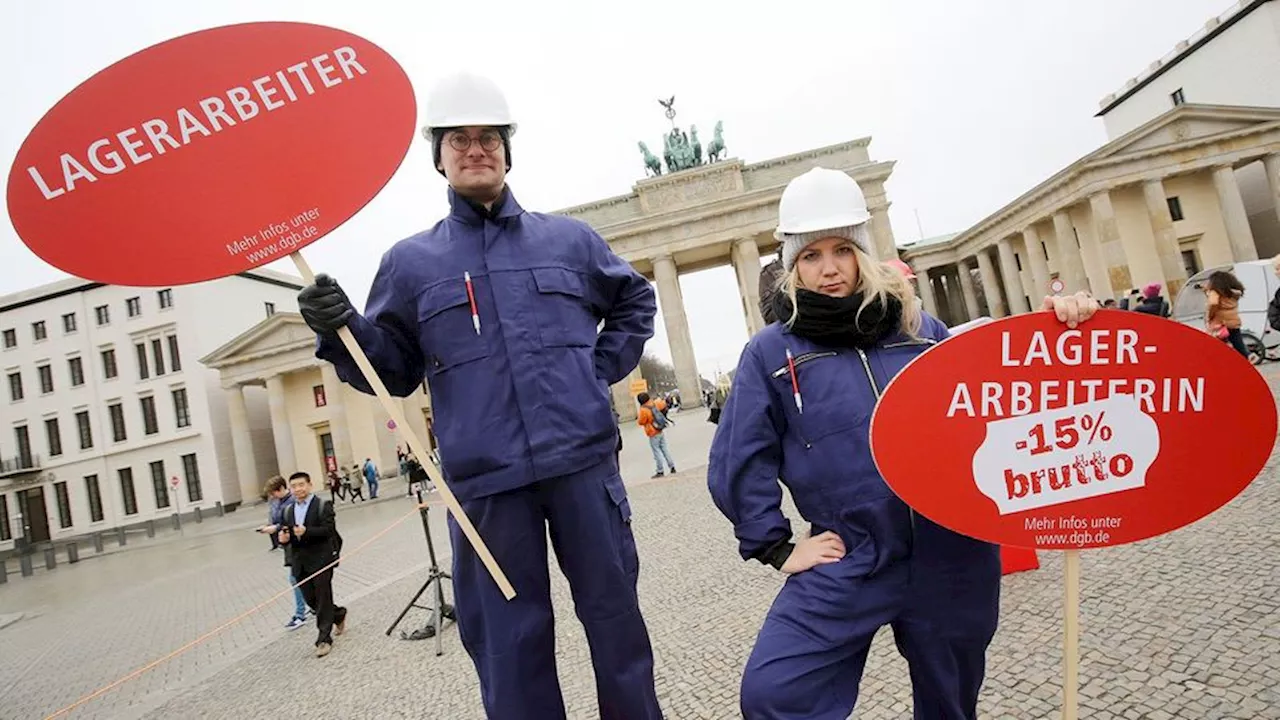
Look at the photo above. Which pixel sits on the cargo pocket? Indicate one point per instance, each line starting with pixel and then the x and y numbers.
pixel 625 540
pixel 563 310
pixel 447 335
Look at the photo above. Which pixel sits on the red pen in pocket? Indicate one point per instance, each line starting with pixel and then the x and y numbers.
pixel 795 382
pixel 471 296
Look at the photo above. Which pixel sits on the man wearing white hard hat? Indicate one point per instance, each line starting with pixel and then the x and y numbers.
pixel 498 308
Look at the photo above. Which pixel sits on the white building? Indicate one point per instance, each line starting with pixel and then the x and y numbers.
pixel 1232 60
pixel 104 402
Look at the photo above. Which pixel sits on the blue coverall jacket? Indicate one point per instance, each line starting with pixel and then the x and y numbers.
pixel 527 398
pixel 939 590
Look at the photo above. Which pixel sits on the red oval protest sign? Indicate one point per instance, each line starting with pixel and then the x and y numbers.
pixel 211 153
pixel 1038 436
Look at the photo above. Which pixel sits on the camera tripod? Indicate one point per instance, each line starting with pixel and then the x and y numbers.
pixel 440 610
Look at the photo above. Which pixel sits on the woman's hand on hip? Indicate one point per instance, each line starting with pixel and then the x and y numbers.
pixel 814 551
pixel 1071 309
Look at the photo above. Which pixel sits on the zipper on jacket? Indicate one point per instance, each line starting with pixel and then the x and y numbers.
pixel 875 387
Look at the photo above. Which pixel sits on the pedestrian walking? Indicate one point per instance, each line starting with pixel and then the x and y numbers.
pixel 652 417
pixel 310 526
pixel 278 492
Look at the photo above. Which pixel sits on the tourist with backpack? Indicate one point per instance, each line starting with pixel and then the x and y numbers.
pixel 652 417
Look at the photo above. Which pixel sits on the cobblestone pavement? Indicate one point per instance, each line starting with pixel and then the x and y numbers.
pixel 1183 626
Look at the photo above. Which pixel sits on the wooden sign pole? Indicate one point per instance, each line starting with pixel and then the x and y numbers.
pixel 416 446
pixel 1071 636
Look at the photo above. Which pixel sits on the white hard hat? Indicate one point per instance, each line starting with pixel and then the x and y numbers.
pixel 467 100
pixel 820 199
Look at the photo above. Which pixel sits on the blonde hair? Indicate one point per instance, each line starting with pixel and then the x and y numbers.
pixel 876 281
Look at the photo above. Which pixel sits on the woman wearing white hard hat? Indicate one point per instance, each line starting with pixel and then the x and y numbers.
pixel 800 411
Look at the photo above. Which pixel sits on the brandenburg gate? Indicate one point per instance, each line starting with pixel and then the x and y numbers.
pixel 702 214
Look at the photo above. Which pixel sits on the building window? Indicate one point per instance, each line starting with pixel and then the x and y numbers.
pixel 165 297
pixel 149 424
pixel 5 533
pixel 158 485
pixel 15 386
pixel 318 393
pixel 143 374
pixel 95 497
pixel 1177 97
pixel 157 353
pixel 181 411
pixel 69 323
pixel 271 309
pixel 38 330
pixel 10 338
pixel 84 429
pixel 76 367
pixel 127 493
pixel 54 433
pixel 64 504
pixel 45 374
pixel 1175 208
pixel 102 314
pixel 133 306
pixel 1191 261
pixel 116 410
pixel 109 364
pixel 1017 260
pixel 25 461
pixel 191 469
pixel 175 358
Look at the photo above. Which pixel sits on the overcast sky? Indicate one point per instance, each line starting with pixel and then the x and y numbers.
pixel 976 101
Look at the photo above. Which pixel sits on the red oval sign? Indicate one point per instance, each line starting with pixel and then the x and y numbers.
pixel 1038 436
pixel 211 153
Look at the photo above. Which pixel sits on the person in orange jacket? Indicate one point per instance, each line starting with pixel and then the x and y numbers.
pixel 653 418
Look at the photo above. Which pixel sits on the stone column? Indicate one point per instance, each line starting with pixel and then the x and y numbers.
pixel 242 446
pixel 412 409
pixel 1271 164
pixel 1071 261
pixel 924 288
pixel 1012 278
pixel 746 265
pixel 966 289
pixel 939 289
pixel 1039 263
pixel 1233 214
pixel 337 415
pixel 955 297
pixel 281 431
pixel 672 300
pixel 990 286
pixel 883 247
pixel 623 401
pixel 1107 232
pixel 1166 238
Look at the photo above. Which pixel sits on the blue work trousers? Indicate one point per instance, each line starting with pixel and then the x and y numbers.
pixel 512 643
pixel 809 656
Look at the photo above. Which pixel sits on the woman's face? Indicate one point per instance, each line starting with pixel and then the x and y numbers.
pixel 828 266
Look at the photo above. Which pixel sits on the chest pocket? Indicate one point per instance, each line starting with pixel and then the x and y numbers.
pixel 834 390
pixel 444 323
pixel 563 308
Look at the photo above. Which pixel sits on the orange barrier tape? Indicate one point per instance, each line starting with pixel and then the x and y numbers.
pixel 156 663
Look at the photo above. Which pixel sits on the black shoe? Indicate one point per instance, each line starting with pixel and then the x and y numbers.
pixel 658 475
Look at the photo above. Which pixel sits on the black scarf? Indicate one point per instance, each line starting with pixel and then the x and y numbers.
pixel 835 322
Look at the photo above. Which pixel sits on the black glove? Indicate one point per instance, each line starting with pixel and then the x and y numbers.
pixel 324 306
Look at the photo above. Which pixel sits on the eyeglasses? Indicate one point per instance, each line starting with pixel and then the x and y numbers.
pixel 489 140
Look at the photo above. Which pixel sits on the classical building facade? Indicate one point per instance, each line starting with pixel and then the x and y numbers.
pixel 716 214
pixel 1153 206
pixel 1190 179
pixel 106 418
pixel 316 422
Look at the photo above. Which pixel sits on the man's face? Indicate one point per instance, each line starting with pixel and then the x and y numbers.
pixel 301 488
pixel 475 162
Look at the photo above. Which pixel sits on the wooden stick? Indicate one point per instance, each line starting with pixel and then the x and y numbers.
pixel 416 446
pixel 1071 639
